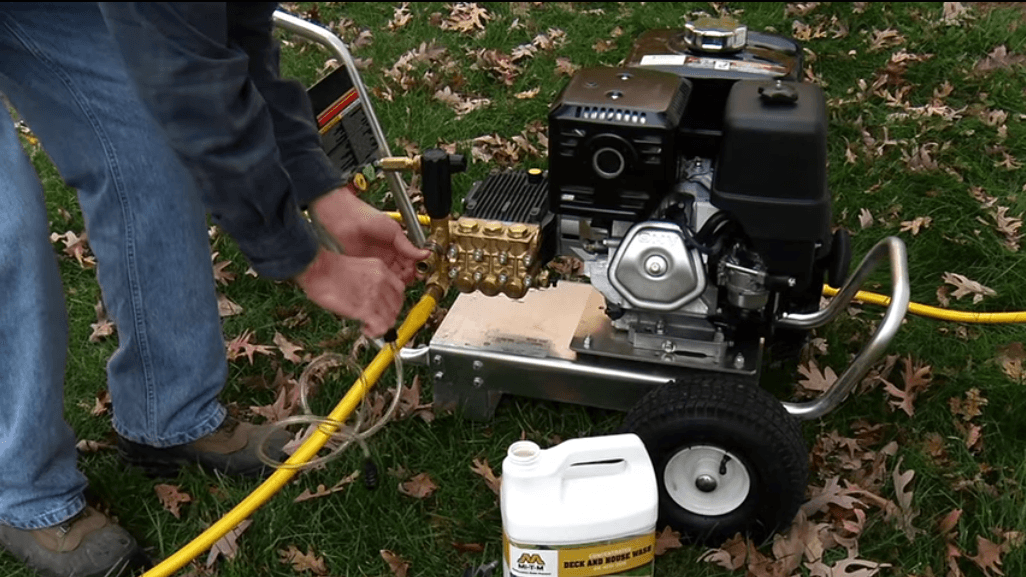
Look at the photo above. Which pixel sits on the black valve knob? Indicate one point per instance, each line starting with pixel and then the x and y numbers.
pixel 437 168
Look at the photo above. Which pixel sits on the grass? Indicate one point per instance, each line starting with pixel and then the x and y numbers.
pixel 348 529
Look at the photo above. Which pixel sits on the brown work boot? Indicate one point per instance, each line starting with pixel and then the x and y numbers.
pixel 87 545
pixel 231 449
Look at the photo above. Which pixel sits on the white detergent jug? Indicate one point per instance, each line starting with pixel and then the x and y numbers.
pixel 584 508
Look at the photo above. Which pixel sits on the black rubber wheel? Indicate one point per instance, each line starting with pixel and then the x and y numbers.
pixel 728 457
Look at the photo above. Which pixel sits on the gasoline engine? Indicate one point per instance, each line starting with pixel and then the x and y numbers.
pixel 691 183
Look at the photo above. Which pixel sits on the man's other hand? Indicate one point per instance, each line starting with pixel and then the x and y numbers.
pixel 364 289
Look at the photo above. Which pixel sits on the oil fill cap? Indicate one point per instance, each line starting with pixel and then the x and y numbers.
pixel 715 35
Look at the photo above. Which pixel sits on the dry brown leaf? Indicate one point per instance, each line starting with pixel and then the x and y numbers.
pixel 77 247
pixel 564 67
pixel 800 8
pixel 888 38
pixel 400 17
pixel 466 18
pixel 399 566
pixel 916 224
pixel 226 307
pixel 997 59
pixel 419 487
pixel 949 522
pixel 955 14
pixel 988 557
pixel 603 45
pixel 815 379
pixel 847 568
pixel 227 546
pixel 906 513
pixel 965 286
pixel 1008 226
pixel 103 327
pixel 303 561
pixel 87 446
pixel 101 404
pixel 1010 358
pixel 482 468
pixel 831 493
pixel 171 498
pixel 667 539
pixel 865 218
pixel 916 378
pixel 241 346
pixel 463 548
pixel 221 276
pixel 288 349
pixel 971 407
pixel 321 491
pixel 527 94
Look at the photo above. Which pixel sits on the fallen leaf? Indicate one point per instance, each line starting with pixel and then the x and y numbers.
pixel 1010 358
pixel 77 247
pixel 831 493
pixel 916 224
pixel 228 545
pixel 949 522
pixel 102 403
pixel 881 39
pixel 988 556
pixel 906 513
pixel 955 14
pixel 965 286
pixel 667 539
pixel 971 407
pixel 482 468
pixel 321 491
pixel 87 446
pixel 463 548
pixel 527 94
pixel 997 59
pixel 221 276
pixel 1008 226
pixel 603 45
pixel 397 564
pixel 103 327
pixel 288 349
pixel 815 379
pixel 466 18
pixel 241 346
pixel 564 67
pixel 865 218
pixel 171 498
pixel 400 17
pixel 419 487
pixel 227 308
pixel 303 561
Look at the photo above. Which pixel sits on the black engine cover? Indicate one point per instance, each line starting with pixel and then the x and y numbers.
pixel 613 142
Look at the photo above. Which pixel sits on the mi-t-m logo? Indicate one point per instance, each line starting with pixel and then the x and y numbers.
pixel 530 562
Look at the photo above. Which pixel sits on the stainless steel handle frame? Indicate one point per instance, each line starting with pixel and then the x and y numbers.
pixel 334 44
pixel 893 247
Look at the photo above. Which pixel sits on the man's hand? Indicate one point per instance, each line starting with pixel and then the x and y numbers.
pixel 364 231
pixel 364 289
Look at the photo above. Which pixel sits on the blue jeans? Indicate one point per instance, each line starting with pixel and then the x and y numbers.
pixel 146 226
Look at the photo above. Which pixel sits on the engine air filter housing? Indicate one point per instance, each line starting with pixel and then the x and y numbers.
pixel 612 143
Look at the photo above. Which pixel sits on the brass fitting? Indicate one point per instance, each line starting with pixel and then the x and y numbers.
pixel 400 163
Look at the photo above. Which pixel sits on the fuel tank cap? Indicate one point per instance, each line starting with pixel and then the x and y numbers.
pixel 721 35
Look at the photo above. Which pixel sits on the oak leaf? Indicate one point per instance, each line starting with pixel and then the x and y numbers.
pixel 303 561
pixel 667 539
pixel 815 379
pixel 227 546
pixel 322 491
pixel 103 327
pixel 171 498
pixel 226 307
pixel 288 349
pixel 482 468
pixel 916 224
pixel 988 556
pixel 241 346
pixel 419 487
pixel 965 286
pixel 399 566
pixel 1010 358
pixel 87 446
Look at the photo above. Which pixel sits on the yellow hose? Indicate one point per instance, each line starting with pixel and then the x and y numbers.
pixel 935 312
pixel 422 218
pixel 416 319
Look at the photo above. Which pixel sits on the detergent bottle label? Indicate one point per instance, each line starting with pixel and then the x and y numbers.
pixel 632 556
